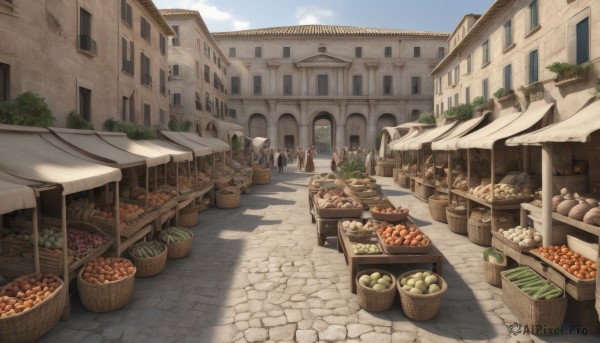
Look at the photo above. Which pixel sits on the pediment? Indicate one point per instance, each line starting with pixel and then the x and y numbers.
pixel 323 60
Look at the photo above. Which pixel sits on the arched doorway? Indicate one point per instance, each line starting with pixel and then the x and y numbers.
pixel 386 119
pixel 414 115
pixel 385 136
pixel 356 130
pixel 211 130
pixel 288 131
pixel 257 125
pixel 323 131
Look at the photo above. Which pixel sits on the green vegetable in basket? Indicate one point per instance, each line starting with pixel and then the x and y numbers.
pixel 492 255
pixel 532 283
pixel 174 235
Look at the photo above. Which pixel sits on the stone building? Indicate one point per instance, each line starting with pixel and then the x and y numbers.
pixel 198 69
pixel 510 45
pixel 284 81
pixel 100 58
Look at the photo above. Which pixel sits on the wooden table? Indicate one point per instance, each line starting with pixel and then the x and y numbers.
pixel 434 256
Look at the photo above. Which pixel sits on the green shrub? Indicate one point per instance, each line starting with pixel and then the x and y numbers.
pixel 133 131
pixel 461 112
pixel 353 168
pixel 568 70
pixel 532 88
pixel 28 109
pixel 75 121
pixel 478 101
pixel 176 125
pixel 501 92
pixel 426 118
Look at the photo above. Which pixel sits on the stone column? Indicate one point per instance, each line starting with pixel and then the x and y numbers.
pixel 272 131
pixel 304 82
pixel 303 129
pixel 340 82
pixel 340 131
pixel 371 67
pixel 273 66
pixel 371 134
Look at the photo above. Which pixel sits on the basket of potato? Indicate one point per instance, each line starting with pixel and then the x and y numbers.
pixel 375 290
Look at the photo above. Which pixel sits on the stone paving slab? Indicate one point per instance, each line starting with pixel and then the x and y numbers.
pixel 256 274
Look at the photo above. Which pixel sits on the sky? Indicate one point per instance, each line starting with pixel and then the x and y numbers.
pixel 427 15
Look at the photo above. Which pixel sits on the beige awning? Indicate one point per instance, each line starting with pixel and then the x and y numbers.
pixel 217 145
pixel 227 130
pixel 409 135
pixel 403 143
pixel 392 132
pixel 120 140
pixel 258 144
pixel 87 141
pixel 450 141
pixel 30 157
pixel 431 136
pixel 177 154
pixel 66 147
pixel 576 128
pixel 14 196
pixel 178 139
pixel 522 122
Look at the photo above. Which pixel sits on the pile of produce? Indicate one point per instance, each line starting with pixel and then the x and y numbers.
pixel 157 199
pixel 421 283
pixel 336 198
pixel 242 177
pixel 570 261
pixel 532 283
pixel 523 236
pixel 22 294
pixel 374 225
pixel 366 249
pixel 460 183
pixel 356 227
pixel 128 213
pixel 404 168
pixel 376 281
pixel 228 191
pixel 104 270
pixel 501 192
pixel 174 235
pixel 400 234
pixel 491 255
pixel 81 210
pixel 147 249
pixel 323 183
pixel 390 210
pixel 83 243
pixel 577 207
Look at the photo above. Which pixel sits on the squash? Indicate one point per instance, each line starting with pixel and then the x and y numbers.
pixel 592 217
pixel 579 210
pixel 593 202
pixel 557 199
pixel 565 206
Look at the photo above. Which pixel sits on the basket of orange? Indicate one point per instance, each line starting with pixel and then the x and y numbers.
pixel 390 213
pixel 403 239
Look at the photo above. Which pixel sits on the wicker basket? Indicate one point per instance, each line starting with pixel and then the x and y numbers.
pixel 403 180
pixel 401 249
pixel 228 200
pixel 492 272
pixel 479 233
pixel 261 176
pixel 437 207
pixel 457 220
pixel 372 300
pixel 421 307
pixel 29 326
pixel 105 297
pixel 547 313
pixel 502 220
pixel 389 217
pixel 180 249
pixel 149 266
pixel 395 175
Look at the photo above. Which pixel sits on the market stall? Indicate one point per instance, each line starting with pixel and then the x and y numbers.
pixel 403 161
pixel 412 163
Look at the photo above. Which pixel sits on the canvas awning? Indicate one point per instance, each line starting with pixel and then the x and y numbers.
pixel 576 128
pixel 520 123
pixel 450 142
pixel 228 130
pixel 30 157
pixel 392 132
pixel 409 135
pixel 14 195
pixel 120 140
pixel 217 145
pixel 87 141
pixel 430 136
pixel 66 147
pixel 176 137
pixel 258 144
pixel 404 142
pixel 177 154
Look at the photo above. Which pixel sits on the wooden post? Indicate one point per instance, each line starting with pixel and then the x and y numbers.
pixel 147 185
pixel 117 221
pixel 177 184
pixel 468 181
pixel 493 176
pixel 450 177
pixel 65 260
pixel 547 194
pixel 36 239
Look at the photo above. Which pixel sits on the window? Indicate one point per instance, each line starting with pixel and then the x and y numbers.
pixel 217 106
pixel 162 82
pixel 85 103
pixel 147 115
pixel 437 109
pixel 161 116
pixel 127 56
pixel 449 102
pixel 214 57
pixel 533 67
pixel 387 51
pixel 507 77
pixel 583 41
pixel 417 51
pixel 468 95
pixel 126 13
pixel 415 115
pixel 206 50
pixel 534 20
pixel 232 52
pixel 124 109
pixel 442 107
pixel 457 73
pixel 4 82
pixel 235 85
pixel 197 70
pixel 198 102
pixel 415 84
pixel 176 40
pixel 145 70
pixel 450 78
pixel 441 52
pixel 469 68
pixel 215 81
pixel 358 52
pixel 508 36
pixel 286 52
pixel 485 50
pixel 145 29
pixel 456 99
pixel 485 89
pixel 258 52
pixel 176 99
pixel 387 85
pixel 175 69
pixel 132 118
pixel 322 49
pixel 219 63
pixel 322 85
pixel 206 73
pixel 287 84
pixel 85 40
pixel 356 84
pixel 257 80
pixel 232 113
pixel 163 44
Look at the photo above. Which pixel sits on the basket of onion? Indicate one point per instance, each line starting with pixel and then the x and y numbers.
pixel 106 284
pixel 29 306
pixel 389 213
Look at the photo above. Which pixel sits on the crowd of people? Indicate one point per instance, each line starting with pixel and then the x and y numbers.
pixel 367 156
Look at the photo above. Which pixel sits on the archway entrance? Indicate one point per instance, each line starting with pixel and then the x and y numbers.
pixel 323 132
pixel 257 125
pixel 287 131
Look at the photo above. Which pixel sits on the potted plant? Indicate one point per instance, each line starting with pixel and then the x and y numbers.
pixel 567 73
pixel 504 95
pixel 479 104
pixel 461 112
pixel 533 92
pixel 426 118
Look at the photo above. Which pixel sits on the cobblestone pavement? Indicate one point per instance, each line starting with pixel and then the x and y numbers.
pixel 256 274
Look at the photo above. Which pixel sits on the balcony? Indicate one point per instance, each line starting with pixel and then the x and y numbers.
pixel 87 44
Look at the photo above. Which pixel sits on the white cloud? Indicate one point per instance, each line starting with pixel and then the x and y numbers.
pixel 222 19
pixel 241 25
pixel 210 12
pixel 309 15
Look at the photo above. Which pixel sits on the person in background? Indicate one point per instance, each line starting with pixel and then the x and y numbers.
pixel 370 162
pixel 334 161
pixel 310 165
pixel 300 158
pixel 280 160
pixel 271 158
